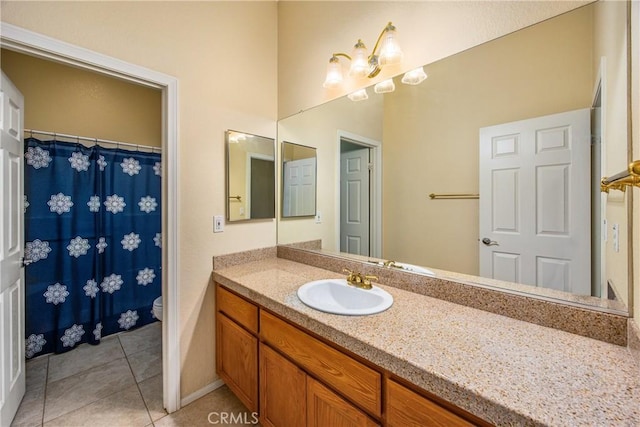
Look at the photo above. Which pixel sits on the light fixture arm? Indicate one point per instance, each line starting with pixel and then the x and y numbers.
pixel 341 54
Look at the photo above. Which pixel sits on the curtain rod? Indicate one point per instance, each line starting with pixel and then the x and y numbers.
pixel 94 140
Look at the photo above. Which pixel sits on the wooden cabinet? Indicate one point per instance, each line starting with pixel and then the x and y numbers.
pixel 237 351
pixel 406 408
pixel 290 397
pixel 302 380
pixel 354 380
pixel 282 391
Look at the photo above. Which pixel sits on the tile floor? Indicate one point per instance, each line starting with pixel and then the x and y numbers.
pixel 117 383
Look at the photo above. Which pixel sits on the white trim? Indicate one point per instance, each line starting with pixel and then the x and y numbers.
pixel 376 189
pixel 202 392
pixel 600 90
pixel 25 41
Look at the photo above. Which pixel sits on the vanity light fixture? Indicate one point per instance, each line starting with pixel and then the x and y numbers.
pixel 363 64
pixel 359 95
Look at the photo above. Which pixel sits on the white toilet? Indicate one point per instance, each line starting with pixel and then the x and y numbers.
pixel 157 308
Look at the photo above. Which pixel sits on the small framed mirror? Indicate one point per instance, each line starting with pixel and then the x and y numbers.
pixel 298 180
pixel 251 177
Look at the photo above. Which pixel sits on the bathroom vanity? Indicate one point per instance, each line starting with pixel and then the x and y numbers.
pixel 424 361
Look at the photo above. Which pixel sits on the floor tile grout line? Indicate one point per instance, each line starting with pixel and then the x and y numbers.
pixel 137 384
pixel 44 393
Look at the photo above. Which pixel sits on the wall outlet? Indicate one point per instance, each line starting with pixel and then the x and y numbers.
pixel 318 217
pixel 218 224
pixel 616 237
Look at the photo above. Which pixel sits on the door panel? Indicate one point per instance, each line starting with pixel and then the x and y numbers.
pixel 12 366
pixel 299 188
pixel 535 202
pixel 354 202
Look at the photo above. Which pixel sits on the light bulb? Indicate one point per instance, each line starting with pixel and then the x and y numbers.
pixel 359 60
pixel 334 73
pixel 390 52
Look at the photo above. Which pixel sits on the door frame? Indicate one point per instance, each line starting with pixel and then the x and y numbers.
pixel 31 43
pixel 600 97
pixel 375 190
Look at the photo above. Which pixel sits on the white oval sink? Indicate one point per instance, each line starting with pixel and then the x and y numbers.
pixel 338 297
pixel 415 269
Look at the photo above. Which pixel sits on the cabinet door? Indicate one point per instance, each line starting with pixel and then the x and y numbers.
pixel 237 360
pixel 282 391
pixel 406 408
pixel 325 408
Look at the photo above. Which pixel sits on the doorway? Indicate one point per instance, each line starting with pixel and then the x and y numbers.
pixel 360 198
pixel 24 41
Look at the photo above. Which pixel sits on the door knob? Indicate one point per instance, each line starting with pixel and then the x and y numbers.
pixel 487 241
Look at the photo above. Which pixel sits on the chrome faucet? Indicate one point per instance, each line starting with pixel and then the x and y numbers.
pixel 359 280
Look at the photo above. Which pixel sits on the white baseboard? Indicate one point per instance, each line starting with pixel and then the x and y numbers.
pixel 199 393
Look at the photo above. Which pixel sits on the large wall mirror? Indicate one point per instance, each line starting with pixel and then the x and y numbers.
pixel 298 180
pixel 521 128
pixel 251 179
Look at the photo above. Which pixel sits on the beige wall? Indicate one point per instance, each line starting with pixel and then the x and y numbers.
pixel 310 31
pixel 431 132
pixel 69 100
pixel 212 48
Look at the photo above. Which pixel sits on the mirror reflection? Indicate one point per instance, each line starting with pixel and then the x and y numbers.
pixel 298 180
pixel 510 121
pixel 250 176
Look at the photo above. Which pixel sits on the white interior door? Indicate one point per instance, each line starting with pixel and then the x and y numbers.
pixel 354 201
pixel 535 204
pixel 299 187
pixel 12 362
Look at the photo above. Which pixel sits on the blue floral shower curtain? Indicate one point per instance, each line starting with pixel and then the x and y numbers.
pixel 92 231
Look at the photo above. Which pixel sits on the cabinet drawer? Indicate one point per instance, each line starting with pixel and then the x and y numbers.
pixel 237 308
pixel 407 408
pixel 354 380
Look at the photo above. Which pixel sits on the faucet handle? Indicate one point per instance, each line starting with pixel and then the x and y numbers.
pixel 350 274
pixel 368 278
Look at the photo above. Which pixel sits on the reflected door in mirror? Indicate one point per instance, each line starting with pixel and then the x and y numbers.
pixel 298 180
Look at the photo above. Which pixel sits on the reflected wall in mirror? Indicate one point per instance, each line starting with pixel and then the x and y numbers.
pixel 298 180
pixel 430 143
pixel 251 177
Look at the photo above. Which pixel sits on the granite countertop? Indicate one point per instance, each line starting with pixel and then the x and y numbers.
pixel 506 371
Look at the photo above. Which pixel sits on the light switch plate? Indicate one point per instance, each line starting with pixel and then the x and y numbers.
pixel 218 224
